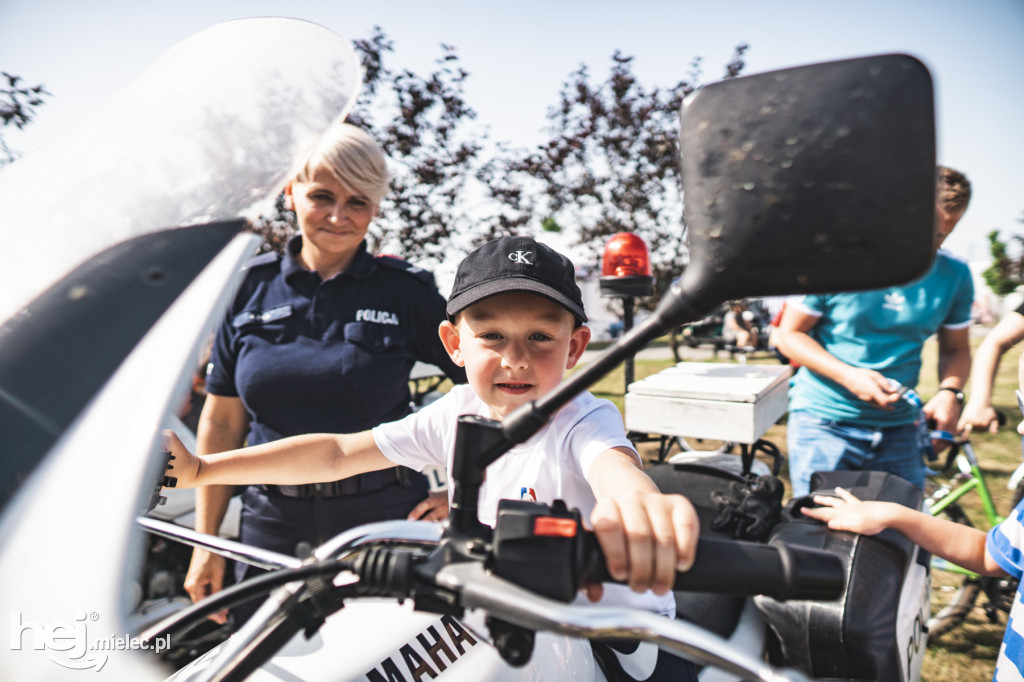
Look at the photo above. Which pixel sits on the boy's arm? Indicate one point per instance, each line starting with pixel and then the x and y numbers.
pixel 963 545
pixel 792 338
pixel 313 458
pixel 978 412
pixel 646 536
pixel 954 366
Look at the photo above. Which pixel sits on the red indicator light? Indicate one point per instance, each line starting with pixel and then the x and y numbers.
pixel 626 255
pixel 551 527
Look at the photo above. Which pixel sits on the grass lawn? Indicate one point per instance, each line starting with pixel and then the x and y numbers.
pixel 969 651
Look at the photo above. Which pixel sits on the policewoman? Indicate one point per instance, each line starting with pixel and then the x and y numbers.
pixel 321 339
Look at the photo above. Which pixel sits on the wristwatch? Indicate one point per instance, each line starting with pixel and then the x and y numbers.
pixel 956 392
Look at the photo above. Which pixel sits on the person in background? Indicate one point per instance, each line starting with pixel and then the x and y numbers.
pixel 737 328
pixel 1000 552
pixel 978 412
pixel 858 352
pixel 319 338
pixel 192 407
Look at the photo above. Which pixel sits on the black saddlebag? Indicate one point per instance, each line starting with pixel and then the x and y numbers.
pixel 875 630
pixel 699 477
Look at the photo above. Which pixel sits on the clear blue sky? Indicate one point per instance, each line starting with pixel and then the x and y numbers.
pixel 519 53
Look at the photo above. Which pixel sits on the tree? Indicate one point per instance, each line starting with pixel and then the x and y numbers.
pixel 1006 273
pixel 423 124
pixel 17 107
pixel 610 166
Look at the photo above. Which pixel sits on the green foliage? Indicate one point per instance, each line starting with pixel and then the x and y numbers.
pixel 549 224
pixel 422 122
pixel 611 164
pixel 1004 275
pixel 17 107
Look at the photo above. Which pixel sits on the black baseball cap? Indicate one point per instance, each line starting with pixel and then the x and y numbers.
pixel 516 264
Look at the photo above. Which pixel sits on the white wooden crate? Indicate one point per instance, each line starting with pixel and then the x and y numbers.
pixel 714 401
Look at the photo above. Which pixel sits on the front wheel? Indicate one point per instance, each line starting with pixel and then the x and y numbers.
pixel 959 607
pixel 956 611
pixel 1018 493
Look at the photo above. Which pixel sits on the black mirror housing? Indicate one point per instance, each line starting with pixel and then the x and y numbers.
pixel 814 179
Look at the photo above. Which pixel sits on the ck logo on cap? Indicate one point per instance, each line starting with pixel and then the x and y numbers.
pixel 521 257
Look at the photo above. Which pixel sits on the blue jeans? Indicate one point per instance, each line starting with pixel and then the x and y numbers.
pixel 817 444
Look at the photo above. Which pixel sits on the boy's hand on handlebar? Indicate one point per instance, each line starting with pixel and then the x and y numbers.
pixel 646 537
pixel 976 416
pixel 944 410
pixel 185 466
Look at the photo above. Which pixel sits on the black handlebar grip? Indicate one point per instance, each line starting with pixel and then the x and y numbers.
pixel 747 568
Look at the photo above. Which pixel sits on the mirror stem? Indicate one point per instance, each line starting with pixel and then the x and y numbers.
pixel 530 418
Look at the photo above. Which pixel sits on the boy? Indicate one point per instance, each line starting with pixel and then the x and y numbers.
pixel 997 554
pixel 515 322
pixel 844 412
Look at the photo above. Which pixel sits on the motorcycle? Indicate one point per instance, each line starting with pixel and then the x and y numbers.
pixel 479 586
pixel 158 589
pixel 791 153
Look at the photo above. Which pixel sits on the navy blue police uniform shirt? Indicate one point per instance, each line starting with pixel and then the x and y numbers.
pixel 312 356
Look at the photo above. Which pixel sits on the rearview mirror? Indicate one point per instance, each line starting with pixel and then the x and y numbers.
pixel 813 179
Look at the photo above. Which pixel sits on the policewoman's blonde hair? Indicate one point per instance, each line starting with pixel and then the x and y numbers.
pixel 354 159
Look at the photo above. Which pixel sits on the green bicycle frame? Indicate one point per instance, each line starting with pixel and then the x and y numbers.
pixel 967 462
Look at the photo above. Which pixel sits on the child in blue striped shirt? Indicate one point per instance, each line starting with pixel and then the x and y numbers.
pixel 1000 552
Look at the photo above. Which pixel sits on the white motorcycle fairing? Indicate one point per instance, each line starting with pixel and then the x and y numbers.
pixel 383 640
pixel 106 302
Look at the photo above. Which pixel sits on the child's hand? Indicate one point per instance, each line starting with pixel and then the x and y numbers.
pixel 646 538
pixel 846 512
pixel 185 466
pixel 978 415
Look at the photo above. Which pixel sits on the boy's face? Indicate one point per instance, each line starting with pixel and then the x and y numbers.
pixel 945 221
pixel 515 348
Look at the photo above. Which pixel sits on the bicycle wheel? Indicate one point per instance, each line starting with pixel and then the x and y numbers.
pixel 967 589
pixel 1001 592
pixel 1017 494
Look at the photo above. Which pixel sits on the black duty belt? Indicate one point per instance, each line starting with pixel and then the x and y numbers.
pixel 360 484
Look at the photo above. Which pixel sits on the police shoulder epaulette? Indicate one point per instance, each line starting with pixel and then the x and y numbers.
pixel 395 263
pixel 265 259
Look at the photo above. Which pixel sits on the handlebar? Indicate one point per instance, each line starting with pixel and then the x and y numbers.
pixel 546 549
pixel 501 577
pixel 481 590
pixel 780 571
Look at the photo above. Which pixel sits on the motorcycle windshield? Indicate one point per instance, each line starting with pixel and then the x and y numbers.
pixel 96 243
pixel 206 133
pixel 120 247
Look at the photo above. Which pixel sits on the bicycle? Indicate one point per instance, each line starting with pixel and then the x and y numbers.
pixel 945 501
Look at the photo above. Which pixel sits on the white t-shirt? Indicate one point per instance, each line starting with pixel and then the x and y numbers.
pixel 553 464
